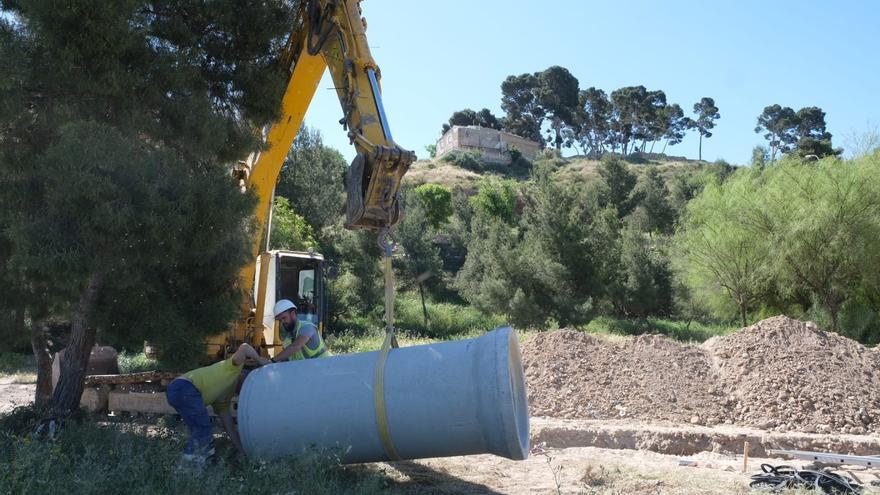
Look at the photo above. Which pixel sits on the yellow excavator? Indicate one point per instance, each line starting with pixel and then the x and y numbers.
pixel 331 34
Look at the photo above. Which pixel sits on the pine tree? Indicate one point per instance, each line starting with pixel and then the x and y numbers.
pixel 116 127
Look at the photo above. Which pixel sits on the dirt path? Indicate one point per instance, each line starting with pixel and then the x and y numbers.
pixel 574 470
pixel 13 395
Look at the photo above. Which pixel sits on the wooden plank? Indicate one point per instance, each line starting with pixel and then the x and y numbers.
pixel 139 402
pixel 145 376
pixel 150 403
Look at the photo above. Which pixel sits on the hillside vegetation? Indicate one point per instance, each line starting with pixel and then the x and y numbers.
pixel 453 176
pixel 648 236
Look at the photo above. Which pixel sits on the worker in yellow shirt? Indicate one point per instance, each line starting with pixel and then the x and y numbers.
pixel 213 385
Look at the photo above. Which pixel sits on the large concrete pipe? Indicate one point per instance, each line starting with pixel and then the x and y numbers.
pixel 452 398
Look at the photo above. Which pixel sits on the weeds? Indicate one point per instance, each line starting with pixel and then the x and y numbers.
pixel 349 342
pixel 541 450
pixel 93 456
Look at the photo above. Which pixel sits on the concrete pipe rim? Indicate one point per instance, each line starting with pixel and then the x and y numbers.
pixel 512 390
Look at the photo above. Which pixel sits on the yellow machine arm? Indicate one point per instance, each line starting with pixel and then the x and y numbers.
pixel 332 35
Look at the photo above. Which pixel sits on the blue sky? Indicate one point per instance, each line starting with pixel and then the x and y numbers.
pixel 439 57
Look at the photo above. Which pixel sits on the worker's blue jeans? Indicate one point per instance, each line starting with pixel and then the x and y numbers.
pixel 186 398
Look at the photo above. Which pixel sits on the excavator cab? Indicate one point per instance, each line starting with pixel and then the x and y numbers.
pixel 299 279
pixel 297 276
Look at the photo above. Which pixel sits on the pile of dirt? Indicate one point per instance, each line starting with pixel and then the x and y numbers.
pixel 791 375
pixel 779 374
pixel 574 375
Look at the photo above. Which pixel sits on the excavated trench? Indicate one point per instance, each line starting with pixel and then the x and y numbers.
pixel 687 440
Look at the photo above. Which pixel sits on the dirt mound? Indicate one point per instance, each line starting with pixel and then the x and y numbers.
pixel 573 375
pixel 779 374
pixel 790 375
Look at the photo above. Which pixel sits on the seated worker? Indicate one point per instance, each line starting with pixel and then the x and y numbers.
pixel 301 339
pixel 212 385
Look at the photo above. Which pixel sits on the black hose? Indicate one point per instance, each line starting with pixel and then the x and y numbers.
pixel 320 26
pixel 778 478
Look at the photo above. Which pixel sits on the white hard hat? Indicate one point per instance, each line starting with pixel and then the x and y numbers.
pixel 282 306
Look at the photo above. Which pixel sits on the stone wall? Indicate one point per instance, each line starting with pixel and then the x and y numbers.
pixel 494 145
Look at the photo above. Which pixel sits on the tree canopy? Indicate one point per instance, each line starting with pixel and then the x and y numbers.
pixel 707 114
pixel 550 108
pixel 802 132
pixel 766 238
pixel 312 180
pixel 115 137
pixel 483 118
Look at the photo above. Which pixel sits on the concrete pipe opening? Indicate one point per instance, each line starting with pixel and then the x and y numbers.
pixel 451 398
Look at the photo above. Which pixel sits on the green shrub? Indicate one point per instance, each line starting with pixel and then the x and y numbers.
pixel 857 320
pixel 497 198
pixel 13 336
pixel 136 362
pixel 468 159
pixel 352 342
pixel 550 154
pixel 445 320
pixel 678 330
pixel 436 201
pixel 290 231
pixel 14 361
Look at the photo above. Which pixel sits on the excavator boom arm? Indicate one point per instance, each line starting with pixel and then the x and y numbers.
pixel 332 35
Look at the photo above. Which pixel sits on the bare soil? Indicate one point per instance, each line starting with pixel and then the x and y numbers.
pixel 13 395
pixel 779 374
pixel 573 470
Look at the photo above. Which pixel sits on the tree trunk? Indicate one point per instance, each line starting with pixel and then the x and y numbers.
pixel 424 308
pixel 40 347
pixel 701 148
pixel 664 146
pixel 834 309
pixel 76 358
pixel 742 312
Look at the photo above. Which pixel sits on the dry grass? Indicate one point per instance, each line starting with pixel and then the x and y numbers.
pixel 577 168
pixel 18 377
pixel 17 369
pixel 445 174
pixel 598 479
